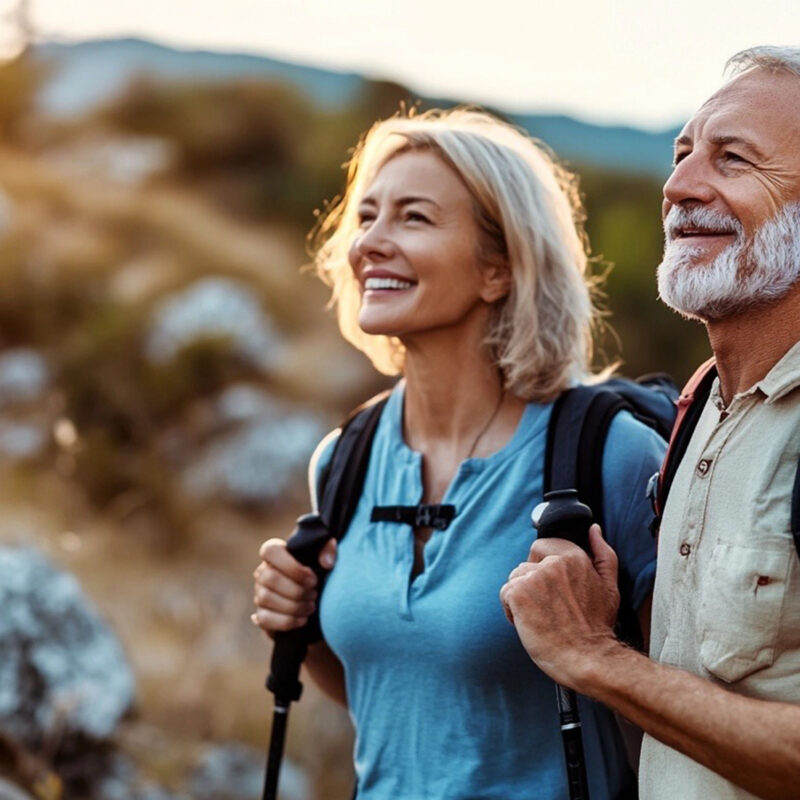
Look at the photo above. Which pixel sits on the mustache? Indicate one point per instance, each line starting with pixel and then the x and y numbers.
pixel 694 218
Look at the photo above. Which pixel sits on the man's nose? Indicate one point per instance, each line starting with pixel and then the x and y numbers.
pixel 692 180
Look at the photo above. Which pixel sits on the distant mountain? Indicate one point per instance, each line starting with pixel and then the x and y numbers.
pixel 615 147
pixel 91 72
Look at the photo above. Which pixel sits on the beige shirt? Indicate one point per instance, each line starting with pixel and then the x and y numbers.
pixel 727 595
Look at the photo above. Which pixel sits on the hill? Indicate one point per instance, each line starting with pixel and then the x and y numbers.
pixel 92 72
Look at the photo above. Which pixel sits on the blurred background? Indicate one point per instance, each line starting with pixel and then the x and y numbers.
pixel 166 367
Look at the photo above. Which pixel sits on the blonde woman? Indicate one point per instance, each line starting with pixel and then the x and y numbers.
pixel 458 262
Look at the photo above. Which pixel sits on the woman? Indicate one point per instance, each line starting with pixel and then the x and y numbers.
pixel 457 260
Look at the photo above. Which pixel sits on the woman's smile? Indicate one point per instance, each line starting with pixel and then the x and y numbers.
pixel 415 252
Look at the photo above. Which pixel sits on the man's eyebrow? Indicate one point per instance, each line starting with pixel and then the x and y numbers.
pixel 685 139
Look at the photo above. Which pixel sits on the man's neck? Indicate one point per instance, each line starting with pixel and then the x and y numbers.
pixel 746 347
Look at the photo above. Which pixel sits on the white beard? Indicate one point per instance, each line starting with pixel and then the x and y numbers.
pixel 747 273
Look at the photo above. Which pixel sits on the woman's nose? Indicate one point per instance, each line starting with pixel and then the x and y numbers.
pixel 373 243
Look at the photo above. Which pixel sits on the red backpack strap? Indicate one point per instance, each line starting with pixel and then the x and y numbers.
pixel 690 406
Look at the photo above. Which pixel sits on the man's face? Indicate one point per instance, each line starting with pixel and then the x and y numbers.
pixel 737 172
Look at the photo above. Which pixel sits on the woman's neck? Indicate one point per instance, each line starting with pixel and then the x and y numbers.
pixel 455 399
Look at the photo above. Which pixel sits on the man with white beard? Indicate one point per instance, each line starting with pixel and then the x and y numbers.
pixel 719 697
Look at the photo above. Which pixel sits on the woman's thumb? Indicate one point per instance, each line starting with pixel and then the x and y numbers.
pixel 327 556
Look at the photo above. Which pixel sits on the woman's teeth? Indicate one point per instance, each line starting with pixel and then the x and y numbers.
pixel 387 283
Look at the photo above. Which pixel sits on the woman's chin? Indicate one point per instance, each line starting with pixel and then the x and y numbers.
pixel 376 326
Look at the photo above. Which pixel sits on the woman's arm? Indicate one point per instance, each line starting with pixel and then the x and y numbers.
pixel 326 671
pixel 285 595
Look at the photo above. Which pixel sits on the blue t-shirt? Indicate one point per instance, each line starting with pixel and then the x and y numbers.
pixel 445 701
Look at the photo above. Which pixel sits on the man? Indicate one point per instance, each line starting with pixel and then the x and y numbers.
pixel 720 699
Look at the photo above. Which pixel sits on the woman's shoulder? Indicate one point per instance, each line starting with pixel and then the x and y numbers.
pixel 320 462
pixel 322 456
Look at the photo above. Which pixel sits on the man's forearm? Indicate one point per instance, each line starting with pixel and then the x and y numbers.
pixel 753 743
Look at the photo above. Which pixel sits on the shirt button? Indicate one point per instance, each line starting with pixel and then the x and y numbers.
pixel 763 580
pixel 704 466
pixel 685 549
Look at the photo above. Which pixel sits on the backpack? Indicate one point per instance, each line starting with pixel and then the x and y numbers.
pixel 691 403
pixel 579 424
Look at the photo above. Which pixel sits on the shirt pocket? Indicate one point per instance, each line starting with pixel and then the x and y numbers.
pixel 741 599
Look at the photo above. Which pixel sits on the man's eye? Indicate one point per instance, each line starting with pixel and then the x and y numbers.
pixel 679 157
pixel 735 157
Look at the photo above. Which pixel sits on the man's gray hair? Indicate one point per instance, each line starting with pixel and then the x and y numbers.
pixel 770 57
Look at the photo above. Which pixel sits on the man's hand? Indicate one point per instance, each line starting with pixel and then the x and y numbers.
pixel 564 605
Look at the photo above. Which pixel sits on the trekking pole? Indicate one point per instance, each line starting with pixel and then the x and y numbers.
pixel 563 516
pixel 290 648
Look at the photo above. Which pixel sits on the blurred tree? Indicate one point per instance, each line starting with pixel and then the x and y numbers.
pixel 624 227
pixel 21 75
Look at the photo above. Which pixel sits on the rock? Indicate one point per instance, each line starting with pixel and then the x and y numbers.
pixel 242 402
pixel 9 791
pixel 123 781
pixel 236 772
pixel 129 160
pixel 215 308
pixel 63 675
pixel 257 462
pixel 24 377
pixel 22 440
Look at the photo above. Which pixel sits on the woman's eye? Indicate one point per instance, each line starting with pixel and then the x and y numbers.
pixel 365 219
pixel 416 216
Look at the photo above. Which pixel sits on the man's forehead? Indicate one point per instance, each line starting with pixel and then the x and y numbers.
pixel 764 102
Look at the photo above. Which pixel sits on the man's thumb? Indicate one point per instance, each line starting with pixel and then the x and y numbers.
pixel 603 556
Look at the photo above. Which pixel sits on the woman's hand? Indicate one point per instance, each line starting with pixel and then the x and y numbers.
pixel 285 592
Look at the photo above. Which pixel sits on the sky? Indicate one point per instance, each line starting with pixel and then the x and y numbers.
pixel 647 63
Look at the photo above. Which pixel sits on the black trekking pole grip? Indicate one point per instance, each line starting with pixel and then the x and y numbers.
pixel 305 544
pixel 563 516
pixel 290 647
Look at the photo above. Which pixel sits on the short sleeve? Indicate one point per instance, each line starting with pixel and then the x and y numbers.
pixel 319 463
pixel 633 452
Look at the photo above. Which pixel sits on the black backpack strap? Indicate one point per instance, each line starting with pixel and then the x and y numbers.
pixel 576 439
pixel 340 484
pixel 796 511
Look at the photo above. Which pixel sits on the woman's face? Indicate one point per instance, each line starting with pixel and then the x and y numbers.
pixel 415 252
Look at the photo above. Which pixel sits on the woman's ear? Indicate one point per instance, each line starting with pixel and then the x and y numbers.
pixel 496 282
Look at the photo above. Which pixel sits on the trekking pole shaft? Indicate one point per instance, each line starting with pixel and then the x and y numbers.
pixel 275 754
pixel 570 721
pixel 290 649
pixel 562 515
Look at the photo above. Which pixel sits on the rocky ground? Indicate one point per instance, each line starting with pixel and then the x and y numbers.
pixel 199 665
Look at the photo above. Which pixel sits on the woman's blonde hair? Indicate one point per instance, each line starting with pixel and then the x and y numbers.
pixel 529 214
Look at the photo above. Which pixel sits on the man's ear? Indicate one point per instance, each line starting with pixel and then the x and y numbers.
pixel 496 282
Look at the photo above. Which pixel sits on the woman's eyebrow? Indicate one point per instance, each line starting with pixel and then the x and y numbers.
pixel 409 199
pixel 400 202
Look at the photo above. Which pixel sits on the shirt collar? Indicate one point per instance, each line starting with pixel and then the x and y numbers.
pixel 783 378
